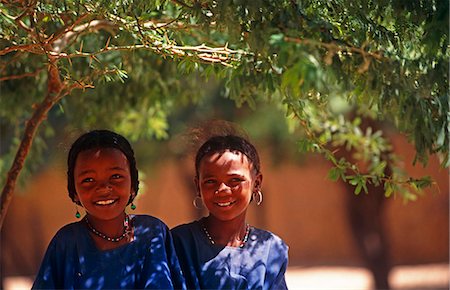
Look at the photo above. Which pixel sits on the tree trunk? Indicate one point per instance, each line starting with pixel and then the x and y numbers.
pixel 54 93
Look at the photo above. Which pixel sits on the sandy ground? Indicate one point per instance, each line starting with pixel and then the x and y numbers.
pixel 422 277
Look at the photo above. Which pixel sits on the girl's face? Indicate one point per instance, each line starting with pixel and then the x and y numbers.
pixel 226 182
pixel 103 182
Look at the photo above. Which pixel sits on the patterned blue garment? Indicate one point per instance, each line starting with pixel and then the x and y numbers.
pixel 260 264
pixel 72 260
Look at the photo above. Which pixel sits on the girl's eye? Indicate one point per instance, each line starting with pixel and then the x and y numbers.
pixel 116 176
pixel 236 180
pixel 87 180
pixel 209 181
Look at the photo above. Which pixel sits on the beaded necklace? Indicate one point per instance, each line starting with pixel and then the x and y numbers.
pixel 243 241
pixel 126 230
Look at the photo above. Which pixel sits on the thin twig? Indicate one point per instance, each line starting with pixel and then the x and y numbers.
pixel 66 32
pixel 35 48
pixel 14 77
pixel 335 47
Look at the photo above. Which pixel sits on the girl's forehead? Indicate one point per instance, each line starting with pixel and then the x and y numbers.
pixel 108 153
pixel 226 159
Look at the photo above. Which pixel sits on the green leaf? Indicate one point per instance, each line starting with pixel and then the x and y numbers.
pixel 334 174
pixel 388 189
pixel 358 188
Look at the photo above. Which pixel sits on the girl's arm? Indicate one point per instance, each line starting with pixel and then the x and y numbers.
pixel 175 269
pixel 278 261
pixel 48 272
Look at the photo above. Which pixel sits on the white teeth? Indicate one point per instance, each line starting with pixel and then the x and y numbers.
pixel 105 202
pixel 224 203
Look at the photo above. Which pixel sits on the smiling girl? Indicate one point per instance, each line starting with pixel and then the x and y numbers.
pixel 108 249
pixel 222 251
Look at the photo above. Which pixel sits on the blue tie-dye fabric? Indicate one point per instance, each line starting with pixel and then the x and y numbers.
pixel 260 264
pixel 72 260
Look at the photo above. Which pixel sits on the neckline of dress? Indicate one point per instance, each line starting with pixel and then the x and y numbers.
pixel 208 239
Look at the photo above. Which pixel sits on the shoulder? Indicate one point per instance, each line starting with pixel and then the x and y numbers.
pixel 148 220
pixel 69 231
pixel 185 229
pixel 269 238
pixel 67 237
pixel 186 238
pixel 270 246
pixel 147 226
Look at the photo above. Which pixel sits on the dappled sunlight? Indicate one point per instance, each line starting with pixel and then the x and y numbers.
pixel 259 264
pixel 328 278
pixel 148 261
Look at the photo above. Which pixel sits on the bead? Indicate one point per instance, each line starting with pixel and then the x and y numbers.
pixel 77 215
pixel 208 235
pixel 243 241
pixel 133 206
pixel 126 230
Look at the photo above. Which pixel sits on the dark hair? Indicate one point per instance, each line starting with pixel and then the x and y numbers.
pixel 233 143
pixel 101 139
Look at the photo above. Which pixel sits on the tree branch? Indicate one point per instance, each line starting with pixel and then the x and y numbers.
pixel 152 24
pixel 15 77
pixel 60 42
pixel 335 47
pixel 35 48
pixel 222 55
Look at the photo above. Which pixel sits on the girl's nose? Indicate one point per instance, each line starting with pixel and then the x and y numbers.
pixel 222 188
pixel 104 188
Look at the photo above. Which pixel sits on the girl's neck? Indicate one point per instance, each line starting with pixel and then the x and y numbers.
pixel 110 228
pixel 226 233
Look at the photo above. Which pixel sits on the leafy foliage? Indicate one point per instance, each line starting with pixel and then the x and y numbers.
pixel 130 64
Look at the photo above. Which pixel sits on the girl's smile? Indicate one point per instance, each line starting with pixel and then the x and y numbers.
pixel 105 202
pixel 225 204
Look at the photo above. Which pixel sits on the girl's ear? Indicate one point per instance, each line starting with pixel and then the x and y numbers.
pixel 76 199
pixel 258 182
pixel 197 186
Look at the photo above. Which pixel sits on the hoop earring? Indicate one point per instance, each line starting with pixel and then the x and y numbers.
pixel 198 204
pixel 258 197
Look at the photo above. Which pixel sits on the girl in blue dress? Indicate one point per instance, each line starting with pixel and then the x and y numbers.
pixel 108 249
pixel 222 251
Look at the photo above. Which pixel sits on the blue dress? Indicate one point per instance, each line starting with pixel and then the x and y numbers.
pixel 72 260
pixel 260 264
